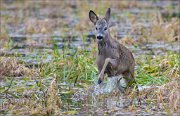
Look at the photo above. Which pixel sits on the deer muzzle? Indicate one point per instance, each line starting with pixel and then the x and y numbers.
pixel 100 37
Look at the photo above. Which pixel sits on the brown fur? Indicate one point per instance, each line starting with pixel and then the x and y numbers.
pixel 113 49
pixel 113 58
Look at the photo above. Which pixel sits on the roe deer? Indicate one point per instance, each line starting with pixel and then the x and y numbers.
pixel 113 58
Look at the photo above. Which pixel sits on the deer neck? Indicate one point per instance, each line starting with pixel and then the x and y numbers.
pixel 103 45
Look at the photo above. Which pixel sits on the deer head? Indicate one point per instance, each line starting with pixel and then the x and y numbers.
pixel 101 25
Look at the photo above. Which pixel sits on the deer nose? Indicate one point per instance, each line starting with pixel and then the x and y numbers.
pixel 99 37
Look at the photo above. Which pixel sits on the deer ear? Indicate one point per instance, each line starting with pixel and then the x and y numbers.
pixel 107 16
pixel 93 17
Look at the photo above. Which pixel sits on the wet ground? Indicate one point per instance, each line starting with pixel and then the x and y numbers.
pixel 25 44
pixel 36 29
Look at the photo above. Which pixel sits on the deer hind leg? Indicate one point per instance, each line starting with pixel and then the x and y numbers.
pixel 137 93
pixel 113 62
pixel 133 85
pixel 122 84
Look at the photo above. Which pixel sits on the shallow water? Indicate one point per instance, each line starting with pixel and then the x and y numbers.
pixel 35 49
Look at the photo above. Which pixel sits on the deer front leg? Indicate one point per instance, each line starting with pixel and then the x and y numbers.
pixel 107 61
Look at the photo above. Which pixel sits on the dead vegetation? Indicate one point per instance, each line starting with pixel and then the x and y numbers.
pixel 71 16
pixel 53 102
pixel 68 16
pixel 40 26
pixel 168 94
pixel 37 102
pixel 11 68
pixel 171 92
pixel 165 30
pixel 3 34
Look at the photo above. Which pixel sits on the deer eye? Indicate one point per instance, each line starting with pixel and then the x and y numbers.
pixel 96 28
pixel 105 28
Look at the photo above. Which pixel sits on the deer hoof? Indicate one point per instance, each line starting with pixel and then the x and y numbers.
pixel 99 81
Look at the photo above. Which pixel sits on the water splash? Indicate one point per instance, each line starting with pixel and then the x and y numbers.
pixel 107 87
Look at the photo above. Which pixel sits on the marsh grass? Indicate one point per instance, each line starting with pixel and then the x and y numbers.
pixel 73 69
pixel 48 88
pixel 72 17
pixel 157 70
pixel 11 68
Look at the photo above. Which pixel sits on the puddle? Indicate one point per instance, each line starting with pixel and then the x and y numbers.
pixel 100 100
pixel 21 41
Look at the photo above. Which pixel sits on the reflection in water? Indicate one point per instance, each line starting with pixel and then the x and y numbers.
pixel 102 95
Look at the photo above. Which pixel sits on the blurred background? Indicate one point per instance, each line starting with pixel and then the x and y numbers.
pixel 37 21
pixel 43 40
